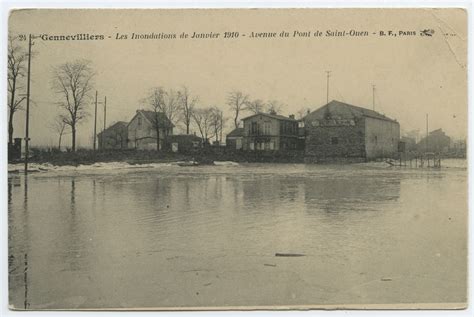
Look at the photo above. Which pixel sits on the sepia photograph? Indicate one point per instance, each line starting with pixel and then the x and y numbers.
pixel 237 159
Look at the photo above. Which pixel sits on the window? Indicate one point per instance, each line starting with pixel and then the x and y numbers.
pixel 375 139
pixel 254 127
pixel 334 140
pixel 252 146
pixel 238 144
pixel 139 123
pixel 267 128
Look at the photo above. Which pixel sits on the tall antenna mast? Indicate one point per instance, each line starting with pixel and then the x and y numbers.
pixel 328 72
pixel 373 97
pixel 95 120
pixel 427 134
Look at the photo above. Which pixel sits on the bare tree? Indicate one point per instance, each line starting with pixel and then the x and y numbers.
pixel 300 114
pixel 17 57
pixel 274 106
pixel 255 106
pixel 217 123
pixel 165 105
pixel 72 82
pixel 237 102
pixel 156 100
pixel 203 119
pixel 171 106
pixel 186 107
pixel 59 127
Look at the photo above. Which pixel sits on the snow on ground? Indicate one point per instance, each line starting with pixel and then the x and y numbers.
pixel 100 166
pixel 226 163
pixel 44 167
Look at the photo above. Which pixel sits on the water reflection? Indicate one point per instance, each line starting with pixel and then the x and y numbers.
pixel 336 195
pixel 126 238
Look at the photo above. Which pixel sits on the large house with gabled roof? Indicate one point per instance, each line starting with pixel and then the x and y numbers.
pixel 142 132
pixel 340 130
pixel 269 132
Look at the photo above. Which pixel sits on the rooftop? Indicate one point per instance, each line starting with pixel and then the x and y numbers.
pixel 274 116
pixel 236 132
pixel 116 125
pixel 150 115
pixel 344 110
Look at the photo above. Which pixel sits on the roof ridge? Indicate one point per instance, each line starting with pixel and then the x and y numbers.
pixel 275 116
pixel 365 111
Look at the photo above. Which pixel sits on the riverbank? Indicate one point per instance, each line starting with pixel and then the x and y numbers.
pixel 203 157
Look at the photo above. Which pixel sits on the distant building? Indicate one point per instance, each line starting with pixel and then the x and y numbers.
pixel 14 150
pixel 413 134
pixel 234 139
pixel 270 132
pixel 410 143
pixel 340 130
pixel 458 148
pixel 183 143
pixel 142 130
pixel 437 141
pixel 114 137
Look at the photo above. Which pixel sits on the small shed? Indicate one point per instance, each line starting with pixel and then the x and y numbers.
pixel 115 137
pixel 183 143
pixel 233 140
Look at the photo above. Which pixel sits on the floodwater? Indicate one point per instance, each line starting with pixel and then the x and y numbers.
pixel 166 236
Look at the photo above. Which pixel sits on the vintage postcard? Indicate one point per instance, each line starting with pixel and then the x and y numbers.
pixel 215 159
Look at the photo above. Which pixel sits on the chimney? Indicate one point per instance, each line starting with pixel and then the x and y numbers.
pixel 292 116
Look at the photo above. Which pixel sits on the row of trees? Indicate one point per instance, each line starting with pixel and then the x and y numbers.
pixel 73 83
pixel 182 108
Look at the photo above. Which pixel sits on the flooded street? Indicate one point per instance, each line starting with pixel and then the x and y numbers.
pixel 169 236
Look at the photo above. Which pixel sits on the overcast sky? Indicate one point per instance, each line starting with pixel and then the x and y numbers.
pixel 413 75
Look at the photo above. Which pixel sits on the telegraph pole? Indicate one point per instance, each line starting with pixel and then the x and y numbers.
pixel 95 120
pixel 105 119
pixel 27 125
pixel 328 72
pixel 105 111
pixel 373 97
pixel 426 143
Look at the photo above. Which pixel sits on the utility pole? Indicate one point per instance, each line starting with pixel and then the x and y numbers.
pixel 105 119
pixel 426 143
pixel 105 111
pixel 95 120
pixel 27 125
pixel 328 72
pixel 373 97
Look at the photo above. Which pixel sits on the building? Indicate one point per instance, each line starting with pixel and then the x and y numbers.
pixel 14 150
pixel 410 143
pixel 234 139
pixel 340 130
pixel 183 143
pixel 437 142
pixel 270 132
pixel 115 137
pixel 142 133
